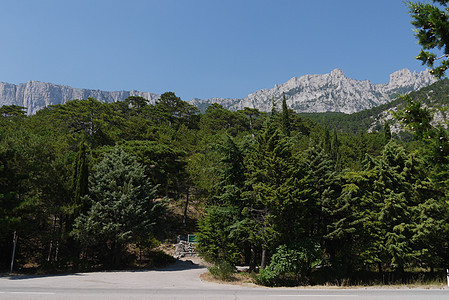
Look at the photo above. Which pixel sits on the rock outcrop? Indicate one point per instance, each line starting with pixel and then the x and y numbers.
pixel 309 93
pixel 329 92
pixel 35 95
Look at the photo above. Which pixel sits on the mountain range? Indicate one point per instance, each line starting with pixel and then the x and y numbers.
pixel 310 93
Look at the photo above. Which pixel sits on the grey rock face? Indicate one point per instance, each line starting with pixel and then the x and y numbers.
pixel 329 92
pixel 35 95
pixel 309 93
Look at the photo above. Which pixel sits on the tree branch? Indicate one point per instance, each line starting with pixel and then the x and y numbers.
pixel 444 55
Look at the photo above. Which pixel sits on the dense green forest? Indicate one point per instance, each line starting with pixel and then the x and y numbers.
pixel 91 185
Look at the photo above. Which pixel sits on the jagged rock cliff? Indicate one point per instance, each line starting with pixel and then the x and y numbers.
pixel 328 92
pixel 309 93
pixel 35 95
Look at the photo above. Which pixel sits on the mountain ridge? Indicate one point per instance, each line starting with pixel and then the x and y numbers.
pixel 35 95
pixel 330 92
pixel 309 93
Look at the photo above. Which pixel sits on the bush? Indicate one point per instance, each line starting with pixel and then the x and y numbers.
pixel 291 265
pixel 222 271
pixel 267 277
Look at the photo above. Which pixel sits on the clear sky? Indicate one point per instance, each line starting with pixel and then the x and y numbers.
pixel 201 48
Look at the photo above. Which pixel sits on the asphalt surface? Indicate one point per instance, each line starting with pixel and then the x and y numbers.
pixel 180 281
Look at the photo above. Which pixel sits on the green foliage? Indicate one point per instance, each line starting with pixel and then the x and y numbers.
pixel 173 111
pixel 222 271
pixel 122 206
pixel 80 180
pixel 322 192
pixel 164 165
pixel 285 117
pixel 12 112
pixel 217 120
pixel 415 117
pixel 291 265
pixel 216 238
pixel 432 27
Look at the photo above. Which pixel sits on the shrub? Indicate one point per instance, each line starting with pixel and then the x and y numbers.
pixel 267 277
pixel 291 265
pixel 222 271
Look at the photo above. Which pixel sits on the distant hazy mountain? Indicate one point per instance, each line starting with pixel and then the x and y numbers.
pixel 35 95
pixel 328 92
pixel 310 93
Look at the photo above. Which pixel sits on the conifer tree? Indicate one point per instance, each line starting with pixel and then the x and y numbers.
pixel 217 240
pixel 335 150
pixel 387 132
pixel 285 117
pixel 322 184
pixel 432 22
pixel 327 143
pixel 80 179
pixel 274 193
pixel 123 208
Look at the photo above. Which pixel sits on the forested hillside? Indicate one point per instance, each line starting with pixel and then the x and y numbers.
pixel 89 184
pixel 434 96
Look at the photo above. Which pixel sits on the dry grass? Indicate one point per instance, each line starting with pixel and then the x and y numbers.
pixel 242 278
pixel 246 279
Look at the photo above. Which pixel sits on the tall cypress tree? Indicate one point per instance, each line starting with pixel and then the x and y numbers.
pixel 80 180
pixel 285 117
pixel 387 132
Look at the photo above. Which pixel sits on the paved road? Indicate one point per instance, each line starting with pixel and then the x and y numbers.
pixel 180 281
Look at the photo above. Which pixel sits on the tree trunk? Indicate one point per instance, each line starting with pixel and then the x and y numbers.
pixel 263 263
pixel 58 242
pixel 53 229
pixel 252 260
pixel 184 220
pixel 116 254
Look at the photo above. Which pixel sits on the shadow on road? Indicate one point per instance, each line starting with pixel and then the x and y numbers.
pixel 179 265
pixel 23 277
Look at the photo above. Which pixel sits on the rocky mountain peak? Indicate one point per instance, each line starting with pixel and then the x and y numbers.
pixel 405 78
pixel 308 93
pixel 337 73
pixel 329 92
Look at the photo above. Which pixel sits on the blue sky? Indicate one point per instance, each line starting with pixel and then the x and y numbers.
pixel 202 48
